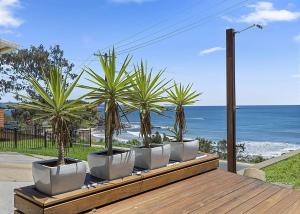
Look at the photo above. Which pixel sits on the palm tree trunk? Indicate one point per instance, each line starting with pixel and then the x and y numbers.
pixel 110 127
pixel 61 153
pixel 145 128
pixel 181 123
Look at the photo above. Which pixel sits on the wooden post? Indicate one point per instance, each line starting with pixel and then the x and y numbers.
pixel 1 118
pixel 231 106
pixel 15 138
pixel 72 133
pixel 90 137
pixel 45 139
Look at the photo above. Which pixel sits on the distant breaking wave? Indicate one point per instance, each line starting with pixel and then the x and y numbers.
pixel 195 118
pixel 268 149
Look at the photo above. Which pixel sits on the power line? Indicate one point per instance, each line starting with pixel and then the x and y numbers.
pixel 169 26
pixel 148 28
pixel 179 30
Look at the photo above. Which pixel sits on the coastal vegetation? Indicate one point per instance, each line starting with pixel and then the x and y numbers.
pixel 16 67
pixel 286 171
pixel 76 151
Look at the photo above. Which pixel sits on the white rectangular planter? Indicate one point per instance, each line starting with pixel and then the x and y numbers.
pixel 54 180
pixel 184 151
pixel 111 167
pixel 151 158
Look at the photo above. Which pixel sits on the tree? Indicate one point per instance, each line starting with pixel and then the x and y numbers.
pixel 181 96
pixel 18 66
pixel 55 106
pixel 147 97
pixel 113 90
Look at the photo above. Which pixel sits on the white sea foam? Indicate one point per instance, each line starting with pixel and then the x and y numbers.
pixel 99 135
pixel 268 149
pixel 136 134
pixel 134 126
pixel 195 118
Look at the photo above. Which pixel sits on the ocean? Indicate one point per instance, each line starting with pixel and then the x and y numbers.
pixel 265 130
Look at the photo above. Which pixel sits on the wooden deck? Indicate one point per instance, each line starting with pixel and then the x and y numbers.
pixel 216 191
pixel 98 193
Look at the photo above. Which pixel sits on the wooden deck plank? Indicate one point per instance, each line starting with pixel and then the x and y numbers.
pixel 202 184
pixel 283 205
pixel 231 197
pixel 200 197
pixel 295 208
pixel 27 207
pixel 168 191
pixel 271 201
pixel 203 194
pixel 254 200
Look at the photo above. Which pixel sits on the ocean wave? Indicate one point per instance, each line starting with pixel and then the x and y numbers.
pixel 161 127
pixel 102 136
pixel 134 126
pixel 136 134
pixel 268 149
pixel 195 118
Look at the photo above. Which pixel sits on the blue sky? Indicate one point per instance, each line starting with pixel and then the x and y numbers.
pixel 267 61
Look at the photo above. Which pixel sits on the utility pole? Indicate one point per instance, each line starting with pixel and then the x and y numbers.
pixel 231 104
pixel 230 92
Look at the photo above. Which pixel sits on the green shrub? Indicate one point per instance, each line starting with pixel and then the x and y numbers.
pixel 205 145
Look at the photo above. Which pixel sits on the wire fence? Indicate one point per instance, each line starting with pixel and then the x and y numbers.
pixel 34 137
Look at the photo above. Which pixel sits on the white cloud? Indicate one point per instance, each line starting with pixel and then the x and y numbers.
pixel 264 12
pixel 211 50
pixel 296 75
pixel 129 1
pixel 7 18
pixel 297 38
pixel 227 18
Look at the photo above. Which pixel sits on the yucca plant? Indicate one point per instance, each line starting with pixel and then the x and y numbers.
pixel 147 97
pixel 55 107
pixel 181 96
pixel 111 90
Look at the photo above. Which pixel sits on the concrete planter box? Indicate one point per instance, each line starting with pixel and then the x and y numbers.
pixel 151 158
pixel 184 151
pixel 118 165
pixel 53 180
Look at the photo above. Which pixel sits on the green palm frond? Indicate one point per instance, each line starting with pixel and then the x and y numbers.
pixel 55 105
pixel 111 90
pixel 181 96
pixel 146 96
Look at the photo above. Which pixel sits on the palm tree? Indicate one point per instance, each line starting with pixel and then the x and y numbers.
pixel 147 96
pixel 111 90
pixel 181 96
pixel 55 106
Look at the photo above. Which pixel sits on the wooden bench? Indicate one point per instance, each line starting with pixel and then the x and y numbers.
pixel 99 193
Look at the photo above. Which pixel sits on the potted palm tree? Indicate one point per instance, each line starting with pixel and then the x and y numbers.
pixel 182 149
pixel 111 90
pixel 62 174
pixel 147 97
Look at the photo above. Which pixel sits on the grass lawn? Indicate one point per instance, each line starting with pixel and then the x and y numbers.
pixel 116 144
pixel 77 151
pixel 286 171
